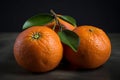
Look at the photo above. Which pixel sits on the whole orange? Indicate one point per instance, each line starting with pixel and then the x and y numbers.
pixel 94 48
pixel 38 49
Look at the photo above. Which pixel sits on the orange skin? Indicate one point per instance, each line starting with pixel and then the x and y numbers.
pixel 38 54
pixel 94 49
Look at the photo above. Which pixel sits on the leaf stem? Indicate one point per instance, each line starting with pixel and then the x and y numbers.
pixel 56 20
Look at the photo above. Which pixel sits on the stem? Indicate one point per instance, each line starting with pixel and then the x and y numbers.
pixel 56 20
pixel 54 27
pixel 36 35
pixel 54 14
pixel 90 30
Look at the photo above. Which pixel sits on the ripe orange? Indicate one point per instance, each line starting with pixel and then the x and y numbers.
pixel 38 49
pixel 94 49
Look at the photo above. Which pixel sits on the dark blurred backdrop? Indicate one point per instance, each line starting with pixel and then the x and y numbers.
pixel 100 13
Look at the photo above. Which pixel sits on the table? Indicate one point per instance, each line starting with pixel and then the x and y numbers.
pixel 9 69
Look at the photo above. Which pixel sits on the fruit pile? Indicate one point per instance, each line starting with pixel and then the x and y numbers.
pixel 47 38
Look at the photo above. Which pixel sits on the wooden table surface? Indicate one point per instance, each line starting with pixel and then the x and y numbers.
pixel 9 69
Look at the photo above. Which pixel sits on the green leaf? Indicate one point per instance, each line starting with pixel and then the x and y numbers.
pixel 38 20
pixel 69 19
pixel 70 38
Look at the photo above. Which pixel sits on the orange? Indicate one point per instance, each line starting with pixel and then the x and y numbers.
pixel 94 48
pixel 38 49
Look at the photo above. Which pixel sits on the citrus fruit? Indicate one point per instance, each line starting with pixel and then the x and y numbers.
pixel 38 49
pixel 94 48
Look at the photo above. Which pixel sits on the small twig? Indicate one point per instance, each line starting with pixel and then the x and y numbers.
pixel 56 20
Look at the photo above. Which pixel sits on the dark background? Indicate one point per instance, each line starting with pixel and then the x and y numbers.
pixel 101 13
